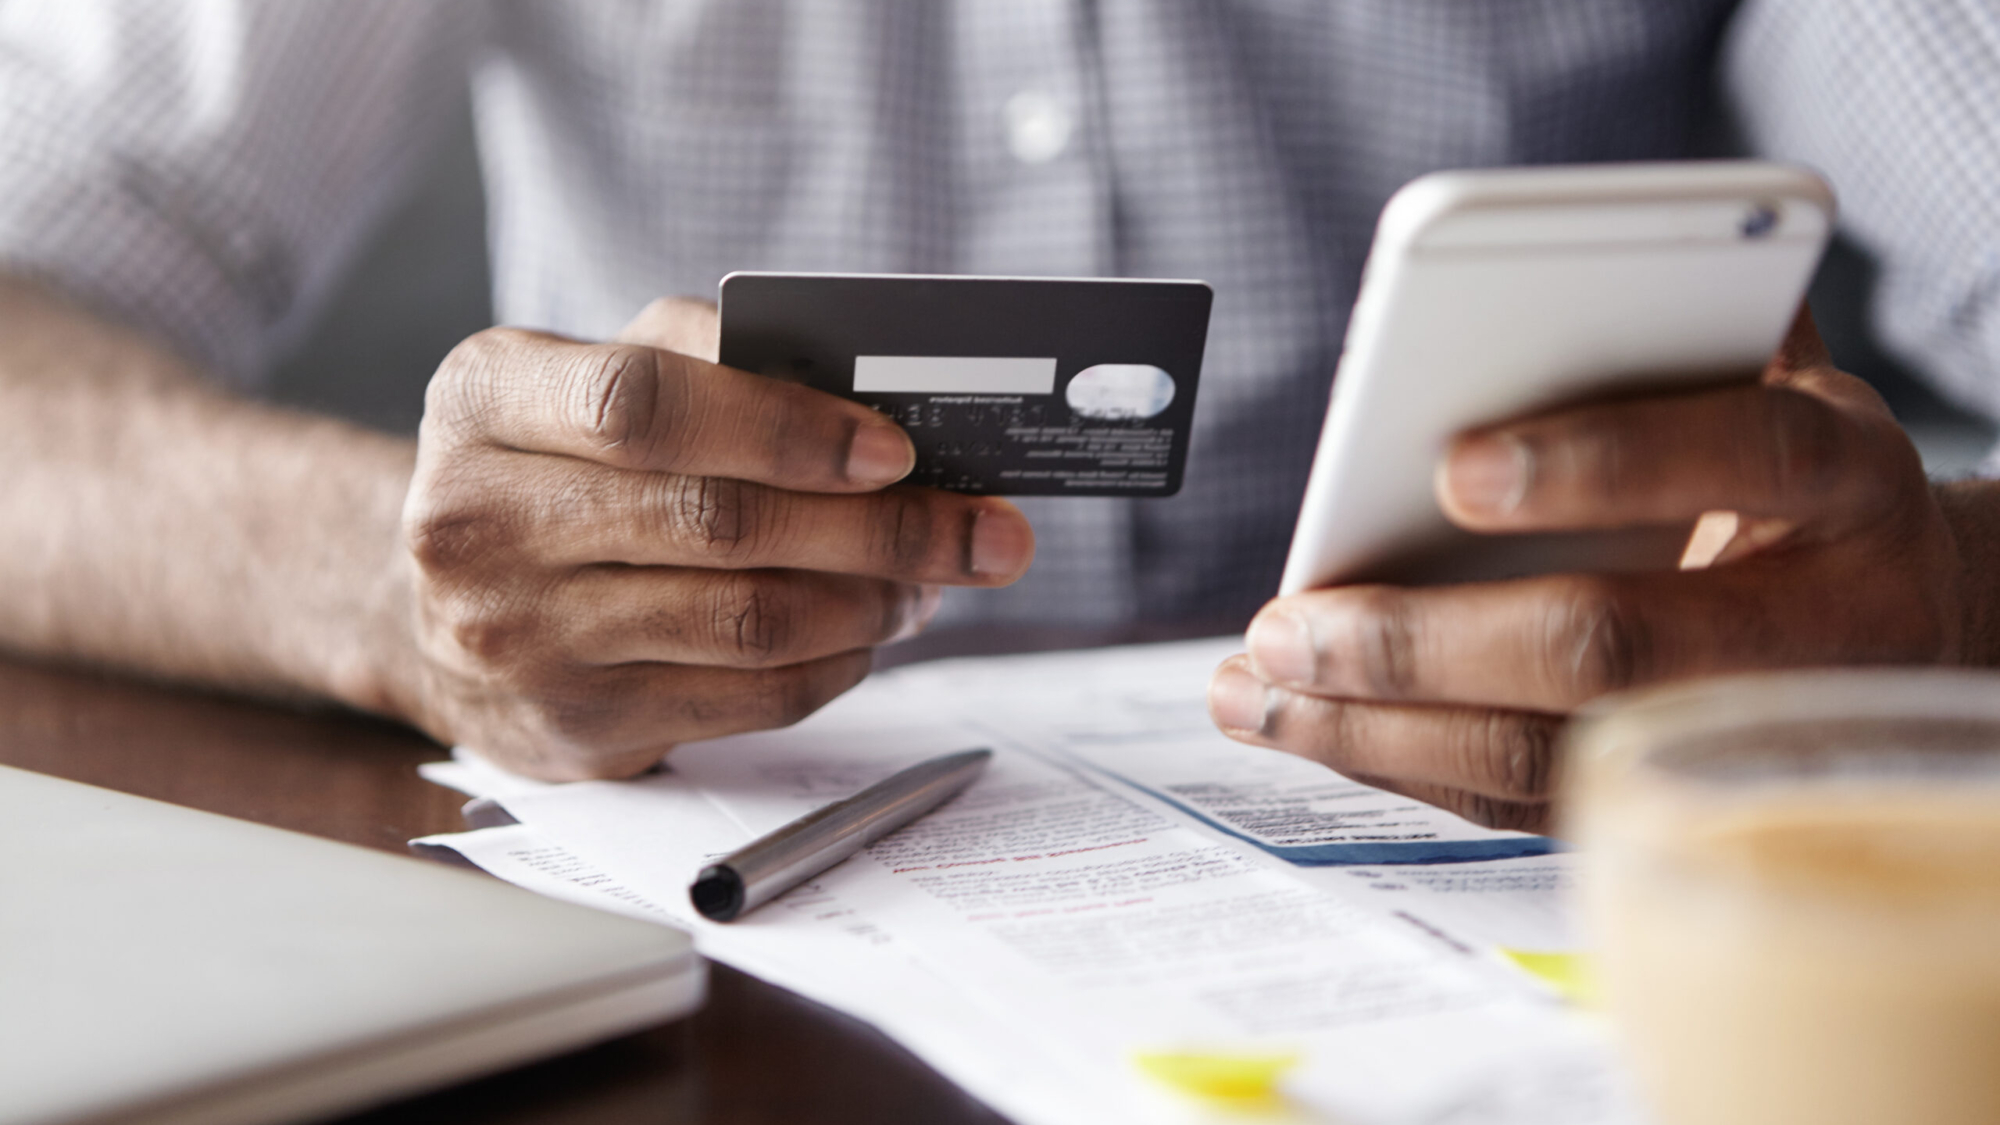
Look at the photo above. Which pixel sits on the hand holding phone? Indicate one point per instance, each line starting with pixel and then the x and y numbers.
pixel 1493 294
pixel 1454 693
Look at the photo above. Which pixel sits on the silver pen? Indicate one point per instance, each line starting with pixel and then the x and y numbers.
pixel 768 866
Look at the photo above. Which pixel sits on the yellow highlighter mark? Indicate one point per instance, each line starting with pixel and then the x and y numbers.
pixel 1245 1083
pixel 1568 973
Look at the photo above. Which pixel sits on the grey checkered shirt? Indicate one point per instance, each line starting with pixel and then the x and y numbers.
pixel 204 169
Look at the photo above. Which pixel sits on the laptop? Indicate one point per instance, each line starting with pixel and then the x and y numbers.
pixel 165 965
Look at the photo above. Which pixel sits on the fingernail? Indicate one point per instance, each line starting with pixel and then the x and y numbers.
pixel 1238 700
pixel 1489 474
pixel 921 606
pixel 1281 646
pixel 1000 545
pixel 879 454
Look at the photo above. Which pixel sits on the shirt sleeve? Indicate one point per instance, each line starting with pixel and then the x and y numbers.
pixel 202 169
pixel 1898 103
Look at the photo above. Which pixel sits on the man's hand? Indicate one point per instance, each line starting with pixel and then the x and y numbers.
pixel 1820 542
pixel 619 547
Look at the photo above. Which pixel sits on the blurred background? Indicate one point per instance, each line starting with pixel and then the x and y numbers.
pixel 421 286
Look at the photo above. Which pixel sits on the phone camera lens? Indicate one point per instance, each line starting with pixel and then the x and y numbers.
pixel 1759 221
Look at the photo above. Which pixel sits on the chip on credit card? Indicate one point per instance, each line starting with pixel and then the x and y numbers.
pixel 1007 386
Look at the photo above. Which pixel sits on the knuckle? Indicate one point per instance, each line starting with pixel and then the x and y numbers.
pixel 584 722
pixel 903 531
pixel 593 715
pixel 718 516
pixel 619 407
pixel 441 538
pixel 1386 644
pixel 462 513
pixel 488 632
pixel 754 620
pixel 1595 642
pixel 446 534
pixel 462 385
pixel 1511 752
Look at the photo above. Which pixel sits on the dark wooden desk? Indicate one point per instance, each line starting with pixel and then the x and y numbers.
pixel 756 1053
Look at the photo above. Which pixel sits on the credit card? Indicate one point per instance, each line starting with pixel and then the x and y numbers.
pixel 1007 386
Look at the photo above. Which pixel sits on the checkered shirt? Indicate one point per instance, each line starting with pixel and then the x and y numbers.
pixel 204 170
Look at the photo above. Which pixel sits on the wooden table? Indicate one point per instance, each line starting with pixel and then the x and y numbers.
pixel 755 1053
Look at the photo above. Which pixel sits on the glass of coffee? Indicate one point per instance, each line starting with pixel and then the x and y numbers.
pixel 1793 884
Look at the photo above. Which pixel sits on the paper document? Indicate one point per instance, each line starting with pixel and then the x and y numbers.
pixel 1087 909
pixel 1141 714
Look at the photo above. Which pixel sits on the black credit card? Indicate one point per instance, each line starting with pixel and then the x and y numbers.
pixel 1008 386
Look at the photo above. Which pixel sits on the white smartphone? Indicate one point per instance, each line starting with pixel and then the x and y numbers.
pixel 1493 294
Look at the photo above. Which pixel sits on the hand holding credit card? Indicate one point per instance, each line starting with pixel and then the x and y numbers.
pixel 618 547
pixel 1007 386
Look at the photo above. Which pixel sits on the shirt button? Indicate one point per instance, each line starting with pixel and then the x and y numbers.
pixel 1038 126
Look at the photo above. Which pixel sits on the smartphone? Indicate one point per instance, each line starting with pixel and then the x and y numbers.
pixel 1494 294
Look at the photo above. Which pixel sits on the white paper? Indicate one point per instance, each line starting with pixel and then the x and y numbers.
pixel 810 943
pixel 1031 937
pixel 1140 714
